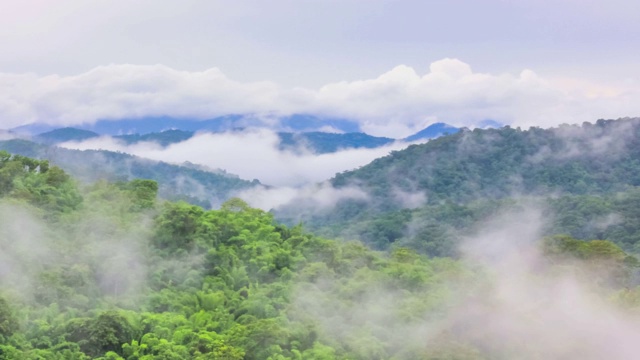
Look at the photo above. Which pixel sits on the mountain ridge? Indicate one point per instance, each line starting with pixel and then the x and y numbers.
pixel 293 123
pixel 577 172
pixel 318 141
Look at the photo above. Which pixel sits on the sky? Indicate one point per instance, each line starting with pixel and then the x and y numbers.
pixel 393 65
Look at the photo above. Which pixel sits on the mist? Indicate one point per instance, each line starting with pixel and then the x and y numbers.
pixel 39 257
pixel 319 197
pixel 508 301
pixel 250 154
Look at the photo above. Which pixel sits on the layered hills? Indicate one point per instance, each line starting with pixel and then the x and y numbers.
pixel 429 195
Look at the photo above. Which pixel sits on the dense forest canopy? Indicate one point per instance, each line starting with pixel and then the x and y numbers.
pixel 496 163
pixel 429 196
pixel 109 271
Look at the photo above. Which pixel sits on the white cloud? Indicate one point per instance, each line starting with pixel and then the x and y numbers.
pixel 117 91
pixel 396 103
pixel 318 197
pixel 249 154
pixel 409 200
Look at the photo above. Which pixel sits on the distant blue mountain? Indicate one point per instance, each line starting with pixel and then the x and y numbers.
pixel 318 142
pixel 293 123
pixel 321 142
pixel 163 138
pixel 166 131
pixel 65 134
pixel 159 124
pixel 145 125
pixel 433 131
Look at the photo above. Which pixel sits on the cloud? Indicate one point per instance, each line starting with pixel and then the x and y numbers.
pixel 395 103
pixel 510 302
pixel 318 197
pixel 250 154
pixel 409 200
pixel 591 140
pixel 532 300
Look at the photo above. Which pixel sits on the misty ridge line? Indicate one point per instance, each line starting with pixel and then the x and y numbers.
pixel 304 166
pixel 407 193
pixel 541 298
pixel 429 197
pixel 229 151
pixel 301 149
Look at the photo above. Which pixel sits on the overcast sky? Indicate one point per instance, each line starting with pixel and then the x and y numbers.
pixel 565 60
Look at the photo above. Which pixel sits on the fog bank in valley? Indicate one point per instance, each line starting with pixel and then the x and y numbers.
pixel 252 154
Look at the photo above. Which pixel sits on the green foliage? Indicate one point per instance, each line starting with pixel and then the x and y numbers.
pixel 121 275
pixel 595 250
pixel 163 138
pixel 604 261
pixel 144 193
pixel 8 320
pixel 38 183
pixel 592 171
pixel 100 335
pixel 177 227
pixel 188 182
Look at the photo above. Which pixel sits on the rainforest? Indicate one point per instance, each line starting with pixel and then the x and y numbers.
pixel 106 269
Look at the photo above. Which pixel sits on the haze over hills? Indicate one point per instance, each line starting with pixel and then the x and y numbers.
pixel 319 180
pixel 434 241
pixel 318 142
pixel 315 141
pixel 461 168
pixel 178 181
pixel 591 158
pixel 109 271
pixel 196 184
pixel 428 195
pixel 398 198
pixel 293 123
pixel 279 159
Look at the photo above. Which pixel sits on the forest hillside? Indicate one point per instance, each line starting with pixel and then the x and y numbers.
pixel 585 178
pixel 109 271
